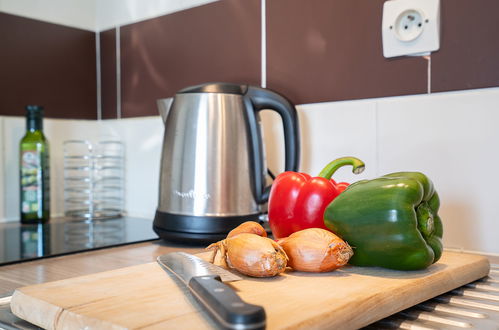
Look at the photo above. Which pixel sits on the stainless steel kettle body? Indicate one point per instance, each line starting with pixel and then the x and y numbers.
pixel 212 175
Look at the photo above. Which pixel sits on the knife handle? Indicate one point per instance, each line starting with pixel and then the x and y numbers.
pixel 225 305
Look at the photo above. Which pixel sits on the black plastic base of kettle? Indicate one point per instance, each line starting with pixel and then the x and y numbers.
pixel 196 229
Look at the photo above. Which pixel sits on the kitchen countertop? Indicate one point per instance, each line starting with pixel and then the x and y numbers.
pixel 58 268
pixel 23 242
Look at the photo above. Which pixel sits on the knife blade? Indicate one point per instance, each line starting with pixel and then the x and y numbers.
pixel 204 280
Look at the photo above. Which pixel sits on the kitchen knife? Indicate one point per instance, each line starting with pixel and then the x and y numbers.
pixel 204 280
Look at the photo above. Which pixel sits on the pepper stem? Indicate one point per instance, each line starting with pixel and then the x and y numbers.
pixel 328 171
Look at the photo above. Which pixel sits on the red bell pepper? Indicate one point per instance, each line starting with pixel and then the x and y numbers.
pixel 297 201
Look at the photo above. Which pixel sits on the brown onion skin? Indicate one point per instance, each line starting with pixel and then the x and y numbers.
pixel 256 256
pixel 316 250
pixel 250 227
pixel 252 255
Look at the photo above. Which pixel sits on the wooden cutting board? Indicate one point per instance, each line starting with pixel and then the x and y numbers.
pixel 146 297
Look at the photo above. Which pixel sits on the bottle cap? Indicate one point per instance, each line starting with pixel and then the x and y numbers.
pixel 35 111
pixel 34 108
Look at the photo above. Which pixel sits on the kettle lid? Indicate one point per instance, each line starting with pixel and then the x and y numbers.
pixel 223 88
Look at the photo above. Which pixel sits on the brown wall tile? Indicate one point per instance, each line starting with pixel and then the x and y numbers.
pixel 108 73
pixel 215 42
pixel 47 64
pixel 331 50
pixel 316 51
pixel 469 47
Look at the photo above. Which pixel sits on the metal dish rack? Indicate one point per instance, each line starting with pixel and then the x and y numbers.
pixel 472 306
pixel 93 179
pixel 93 233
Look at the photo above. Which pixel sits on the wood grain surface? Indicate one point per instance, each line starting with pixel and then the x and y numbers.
pixel 144 296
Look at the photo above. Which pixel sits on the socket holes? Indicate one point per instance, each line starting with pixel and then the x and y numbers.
pixel 408 25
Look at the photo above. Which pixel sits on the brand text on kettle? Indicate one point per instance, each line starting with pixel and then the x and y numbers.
pixel 192 194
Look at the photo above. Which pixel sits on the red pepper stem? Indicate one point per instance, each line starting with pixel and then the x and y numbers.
pixel 328 171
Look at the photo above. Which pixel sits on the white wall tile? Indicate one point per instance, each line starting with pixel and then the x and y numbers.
pixel 112 13
pixel 451 137
pixel 74 13
pixel 2 174
pixel 14 129
pixel 56 131
pixel 337 129
pixel 327 131
pixel 143 138
pixel 95 15
pixel 2 188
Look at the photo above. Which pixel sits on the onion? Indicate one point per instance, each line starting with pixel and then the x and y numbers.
pixel 251 255
pixel 250 227
pixel 316 250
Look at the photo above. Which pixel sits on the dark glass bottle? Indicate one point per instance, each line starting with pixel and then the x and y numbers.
pixel 34 168
pixel 35 240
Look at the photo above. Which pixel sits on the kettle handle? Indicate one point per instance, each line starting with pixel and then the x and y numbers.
pixel 264 99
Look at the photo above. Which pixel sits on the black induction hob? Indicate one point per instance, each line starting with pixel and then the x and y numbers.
pixel 63 236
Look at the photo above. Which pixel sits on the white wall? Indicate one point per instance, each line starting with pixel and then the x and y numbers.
pixel 111 13
pixel 74 13
pixel 452 137
pixel 56 131
pixel 448 136
pixel 2 174
pixel 142 138
pixel 95 15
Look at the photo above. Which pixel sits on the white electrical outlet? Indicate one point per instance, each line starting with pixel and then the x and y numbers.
pixel 410 27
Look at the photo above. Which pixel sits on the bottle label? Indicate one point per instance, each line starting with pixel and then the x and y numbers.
pixel 31 181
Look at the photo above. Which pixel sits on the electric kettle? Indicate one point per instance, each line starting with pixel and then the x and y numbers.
pixel 213 170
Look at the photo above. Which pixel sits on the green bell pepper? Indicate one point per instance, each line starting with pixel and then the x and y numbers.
pixel 390 222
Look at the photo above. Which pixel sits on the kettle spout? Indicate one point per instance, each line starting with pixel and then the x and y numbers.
pixel 164 106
